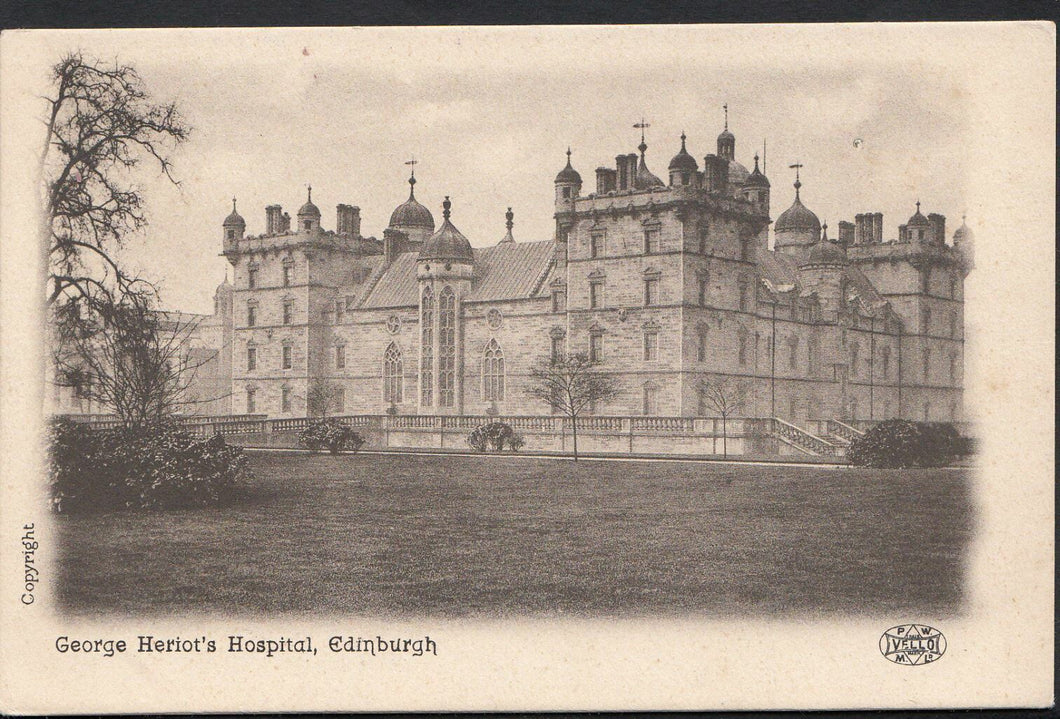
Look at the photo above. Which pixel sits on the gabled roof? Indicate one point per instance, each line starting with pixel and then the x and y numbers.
pixel 508 271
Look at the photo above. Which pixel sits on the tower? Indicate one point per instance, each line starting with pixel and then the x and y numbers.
pixel 309 214
pixel 683 167
pixel 797 228
pixel 444 269
pixel 234 226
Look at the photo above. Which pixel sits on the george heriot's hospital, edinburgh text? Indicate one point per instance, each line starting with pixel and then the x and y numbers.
pixel 663 284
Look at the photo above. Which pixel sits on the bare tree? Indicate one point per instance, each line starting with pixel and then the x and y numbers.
pixel 570 385
pixel 724 396
pixel 128 357
pixel 100 124
pixel 321 398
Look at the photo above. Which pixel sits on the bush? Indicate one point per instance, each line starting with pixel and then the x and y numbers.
pixel 329 434
pixel 492 436
pixel 516 442
pixel 156 467
pixel 902 443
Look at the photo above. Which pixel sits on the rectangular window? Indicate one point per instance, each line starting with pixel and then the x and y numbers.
pixel 287 310
pixel 340 356
pixel 745 296
pixel 252 277
pixel 596 245
pixel 651 241
pixel 285 400
pixel 252 359
pixel 925 321
pixel 651 291
pixel 286 357
pixel 286 275
pixel 252 405
pixel 702 294
pixel 703 241
pixel 559 300
pixel 701 347
pixel 557 349
pixel 650 400
pixel 252 316
pixel 596 295
pixel 927 364
pixel 340 400
pixel 651 346
pixel 340 310
pixel 743 349
pixel 596 347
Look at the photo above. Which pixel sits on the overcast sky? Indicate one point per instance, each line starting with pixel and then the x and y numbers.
pixel 488 113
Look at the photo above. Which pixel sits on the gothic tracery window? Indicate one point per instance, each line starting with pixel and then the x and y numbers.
pixel 493 372
pixel 393 375
pixel 447 347
pixel 427 347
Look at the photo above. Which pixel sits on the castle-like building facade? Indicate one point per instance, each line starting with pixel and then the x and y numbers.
pixel 665 284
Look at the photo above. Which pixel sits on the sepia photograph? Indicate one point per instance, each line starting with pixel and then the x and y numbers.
pixel 376 342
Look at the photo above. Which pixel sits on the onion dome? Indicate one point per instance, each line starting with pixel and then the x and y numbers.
pixel 756 178
pixel 918 220
pixel 645 179
pixel 682 160
pixel 411 213
pixel 798 216
pixel 568 175
pixel 963 235
pixel 234 219
pixel 447 243
pixel 826 252
pixel 509 216
pixel 309 209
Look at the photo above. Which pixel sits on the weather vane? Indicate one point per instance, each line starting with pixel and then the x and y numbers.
pixel 642 126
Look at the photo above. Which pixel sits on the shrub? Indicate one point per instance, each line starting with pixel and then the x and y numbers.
pixel 329 434
pixel 516 442
pixel 155 467
pixel 903 443
pixel 491 436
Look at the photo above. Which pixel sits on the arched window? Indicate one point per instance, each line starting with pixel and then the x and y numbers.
pixel 493 372
pixel 427 347
pixel 447 347
pixel 393 374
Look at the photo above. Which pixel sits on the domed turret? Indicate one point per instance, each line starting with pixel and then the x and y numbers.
pixel 412 218
pixel 826 252
pixel 568 185
pixel 756 187
pixel 797 227
pixel 645 180
pixel 309 214
pixel 683 167
pixel 448 243
pixel 964 241
pixel 234 225
pixel 918 220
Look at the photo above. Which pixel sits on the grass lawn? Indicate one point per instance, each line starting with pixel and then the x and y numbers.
pixel 457 536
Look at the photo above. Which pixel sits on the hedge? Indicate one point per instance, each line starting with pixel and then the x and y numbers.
pixel 897 443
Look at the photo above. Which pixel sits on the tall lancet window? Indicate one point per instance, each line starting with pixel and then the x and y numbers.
pixel 393 371
pixel 493 372
pixel 446 347
pixel 427 347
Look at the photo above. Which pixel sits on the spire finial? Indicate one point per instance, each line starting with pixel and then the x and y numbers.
pixel 233 210
pixel 446 207
pixel 309 190
pixel 798 183
pixel 683 141
pixel 824 229
pixel 642 126
pixel 568 155
pixel 412 176
pixel 756 162
pixel 725 107
pixel 964 218
pixel 509 216
pixel 918 204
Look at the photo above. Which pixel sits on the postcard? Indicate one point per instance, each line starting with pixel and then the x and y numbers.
pixel 527 368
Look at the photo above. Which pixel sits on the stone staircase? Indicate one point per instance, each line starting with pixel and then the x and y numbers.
pixel 804 442
pixel 841 433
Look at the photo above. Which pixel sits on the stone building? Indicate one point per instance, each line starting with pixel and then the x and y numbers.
pixel 665 283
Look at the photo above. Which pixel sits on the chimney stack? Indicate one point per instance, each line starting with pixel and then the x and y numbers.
pixel 272 219
pixel 877 227
pixel 605 180
pixel 348 220
pixel 938 224
pixel 847 233
pixel 859 229
pixel 715 173
pixel 394 242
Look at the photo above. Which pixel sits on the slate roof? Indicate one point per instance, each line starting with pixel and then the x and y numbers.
pixel 508 271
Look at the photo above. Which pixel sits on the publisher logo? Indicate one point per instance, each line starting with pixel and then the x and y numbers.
pixel 912 644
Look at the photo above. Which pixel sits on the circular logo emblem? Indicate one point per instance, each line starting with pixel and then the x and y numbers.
pixel 493 319
pixel 393 324
pixel 912 644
